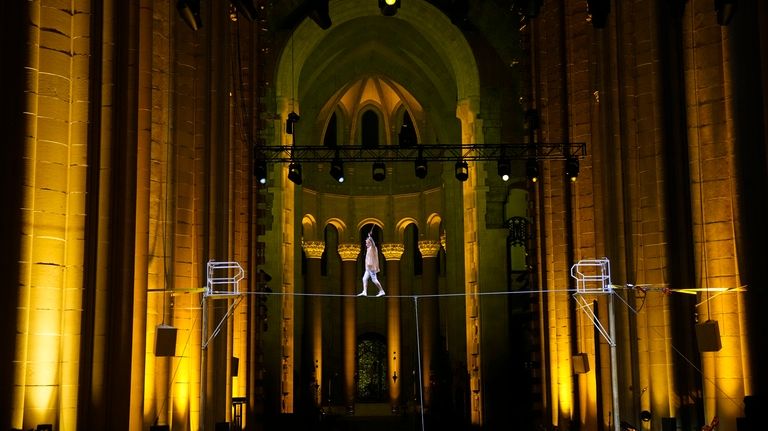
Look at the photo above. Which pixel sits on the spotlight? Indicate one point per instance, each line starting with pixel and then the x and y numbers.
pixel 260 171
pixel 461 170
pixel 532 169
pixel 294 172
pixel 421 167
pixel 246 8
pixel 290 122
pixel 572 168
pixel 725 10
pixel 645 416
pixel 337 170
pixel 504 169
pixel 389 7
pixel 190 13
pixel 379 171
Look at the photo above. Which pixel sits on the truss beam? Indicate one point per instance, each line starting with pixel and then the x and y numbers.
pixel 451 152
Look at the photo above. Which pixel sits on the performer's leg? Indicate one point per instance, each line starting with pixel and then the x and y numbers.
pixel 366 276
pixel 375 280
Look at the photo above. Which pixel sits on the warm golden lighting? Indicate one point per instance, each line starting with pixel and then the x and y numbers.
pixel 180 388
pixel 693 291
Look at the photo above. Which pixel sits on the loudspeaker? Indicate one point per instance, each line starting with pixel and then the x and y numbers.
pixel 668 424
pixel 235 366
pixel 580 363
pixel 165 341
pixel 708 336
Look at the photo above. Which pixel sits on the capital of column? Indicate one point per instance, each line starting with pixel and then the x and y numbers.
pixel 349 251
pixel 429 248
pixel 392 251
pixel 442 240
pixel 313 249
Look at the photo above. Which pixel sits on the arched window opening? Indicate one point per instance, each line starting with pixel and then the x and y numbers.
pixel 407 135
pixel 412 233
pixel 331 238
pixel 329 140
pixel 370 129
pixel 372 368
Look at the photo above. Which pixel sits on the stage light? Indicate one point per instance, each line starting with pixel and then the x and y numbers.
pixel 260 171
pixel 421 167
pixel 337 170
pixel 572 168
pixel 290 122
pixel 532 169
pixel 645 416
pixel 294 172
pixel 461 170
pixel 379 171
pixel 190 13
pixel 504 169
pixel 247 8
pixel 389 7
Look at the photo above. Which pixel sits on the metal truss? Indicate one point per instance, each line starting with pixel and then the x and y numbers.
pixel 450 152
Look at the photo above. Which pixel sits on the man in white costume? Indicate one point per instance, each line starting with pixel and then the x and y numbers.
pixel 371 267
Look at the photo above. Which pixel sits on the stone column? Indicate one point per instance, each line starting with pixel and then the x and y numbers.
pixel 349 253
pixel 314 251
pixel 393 253
pixel 428 315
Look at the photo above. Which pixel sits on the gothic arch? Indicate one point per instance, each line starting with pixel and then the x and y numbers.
pixel 356 131
pixel 421 18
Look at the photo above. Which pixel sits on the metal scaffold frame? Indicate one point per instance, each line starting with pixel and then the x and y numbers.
pixel 222 282
pixel 593 276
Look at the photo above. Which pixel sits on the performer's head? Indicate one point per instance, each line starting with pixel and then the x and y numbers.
pixel 368 242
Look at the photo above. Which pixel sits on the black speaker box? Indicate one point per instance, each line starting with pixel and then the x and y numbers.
pixel 580 363
pixel 165 341
pixel 708 336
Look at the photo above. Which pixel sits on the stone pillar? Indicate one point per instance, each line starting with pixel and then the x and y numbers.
pixel 393 253
pixel 314 251
pixel 428 315
pixel 349 253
